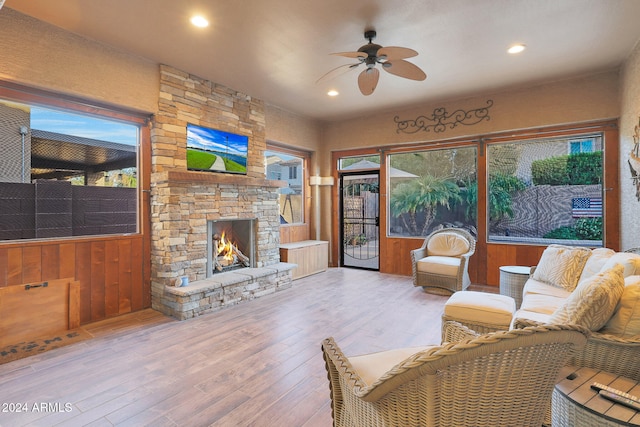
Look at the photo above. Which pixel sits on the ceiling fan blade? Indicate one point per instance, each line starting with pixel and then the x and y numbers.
pixel 351 54
pixel 394 52
pixel 368 80
pixel 331 74
pixel 404 69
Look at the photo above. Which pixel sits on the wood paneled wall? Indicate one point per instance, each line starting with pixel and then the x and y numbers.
pixel 294 233
pixel 110 271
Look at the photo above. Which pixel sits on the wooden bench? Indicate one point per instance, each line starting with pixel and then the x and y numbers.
pixel 311 256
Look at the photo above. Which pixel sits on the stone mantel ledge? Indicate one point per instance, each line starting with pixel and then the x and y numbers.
pixel 215 178
pixel 221 280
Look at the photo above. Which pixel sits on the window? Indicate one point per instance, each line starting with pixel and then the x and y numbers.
pixel 539 194
pixel 65 174
pixel 293 172
pixel 280 164
pixel 431 189
pixel 582 146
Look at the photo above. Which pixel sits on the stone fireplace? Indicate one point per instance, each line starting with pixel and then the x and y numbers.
pixel 189 207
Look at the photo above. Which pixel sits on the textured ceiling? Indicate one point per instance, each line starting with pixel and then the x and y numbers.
pixel 276 49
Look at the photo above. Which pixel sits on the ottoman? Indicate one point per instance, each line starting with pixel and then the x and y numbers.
pixel 479 311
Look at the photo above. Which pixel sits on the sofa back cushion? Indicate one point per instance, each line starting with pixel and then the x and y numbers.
pixel 561 266
pixel 594 264
pixel 447 244
pixel 593 301
pixel 630 262
pixel 625 322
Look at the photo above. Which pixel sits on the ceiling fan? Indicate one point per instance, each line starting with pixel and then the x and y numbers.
pixel 391 58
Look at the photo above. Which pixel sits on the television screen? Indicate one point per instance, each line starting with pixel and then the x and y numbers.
pixel 216 150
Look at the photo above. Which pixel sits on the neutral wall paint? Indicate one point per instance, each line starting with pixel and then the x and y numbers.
pixel 629 119
pixel 581 99
pixel 40 55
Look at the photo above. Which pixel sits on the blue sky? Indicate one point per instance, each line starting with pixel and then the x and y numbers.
pixel 216 140
pixel 83 126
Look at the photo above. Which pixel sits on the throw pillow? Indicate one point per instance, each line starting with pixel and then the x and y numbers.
pixel 593 301
pixel 561 266
pixel 625 322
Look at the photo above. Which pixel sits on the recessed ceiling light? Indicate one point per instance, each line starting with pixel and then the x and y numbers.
pixel 516 48
pixel 333 92
pixel 199 21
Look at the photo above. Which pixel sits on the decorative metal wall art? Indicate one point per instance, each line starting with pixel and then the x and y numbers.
pixel 440 120
pixel 634 159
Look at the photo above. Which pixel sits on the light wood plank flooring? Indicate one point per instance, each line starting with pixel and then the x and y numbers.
pixel 255 364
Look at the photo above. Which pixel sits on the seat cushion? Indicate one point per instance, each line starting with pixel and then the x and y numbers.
pixel 447 244
pixel 443 265
pixel 625 321
pixel 561 266
pixel 535 287
pixel 480 307
pixel 593 301
pixel 544 304
pixel 372 366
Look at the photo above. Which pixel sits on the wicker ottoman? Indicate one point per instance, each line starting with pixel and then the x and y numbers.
pixel 482 312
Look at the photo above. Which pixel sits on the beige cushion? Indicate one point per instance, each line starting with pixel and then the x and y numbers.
pixel 540 303
pixel 561 266
pixel 631 263
pixel 480 307
pixel 372 366
pixel 533 287
pixel 593 301
pixel 598 258
pixel 625 321
pixel 446 266
pixel 447 244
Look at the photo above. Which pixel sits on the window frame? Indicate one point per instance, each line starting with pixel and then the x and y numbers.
pixel 14 92
pixel 304 177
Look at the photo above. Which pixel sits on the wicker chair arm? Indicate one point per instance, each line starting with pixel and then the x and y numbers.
pixel 455 332
pixel 426 362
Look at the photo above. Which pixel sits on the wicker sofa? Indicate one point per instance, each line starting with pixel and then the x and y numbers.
pixel 614 346
pixel 554 288
pixel 595 288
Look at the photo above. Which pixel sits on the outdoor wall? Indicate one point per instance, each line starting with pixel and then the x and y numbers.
pixel 629 119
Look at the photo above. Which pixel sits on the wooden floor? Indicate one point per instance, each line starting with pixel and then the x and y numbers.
pixel 255 364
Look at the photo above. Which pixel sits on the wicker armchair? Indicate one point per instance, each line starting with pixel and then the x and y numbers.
pixel 499 379
pixel 441 264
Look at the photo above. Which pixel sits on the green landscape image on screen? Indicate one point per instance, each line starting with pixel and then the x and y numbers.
pixel 216 150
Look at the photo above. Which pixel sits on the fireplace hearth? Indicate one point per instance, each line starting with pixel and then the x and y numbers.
pixel 230 245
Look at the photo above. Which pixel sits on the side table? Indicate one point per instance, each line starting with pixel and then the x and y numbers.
pixel 512 280
pixel 575 403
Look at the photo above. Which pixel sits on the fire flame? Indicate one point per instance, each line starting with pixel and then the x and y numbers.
pixel 225 248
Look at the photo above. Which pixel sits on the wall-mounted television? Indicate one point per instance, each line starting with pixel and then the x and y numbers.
pixel 216 151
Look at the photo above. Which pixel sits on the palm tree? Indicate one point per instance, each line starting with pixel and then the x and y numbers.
pixel 422 195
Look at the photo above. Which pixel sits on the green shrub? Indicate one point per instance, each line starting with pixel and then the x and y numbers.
pixel 566 233
pixel 551 171
pixel 589 228
pixel 572 169
pixel 585 168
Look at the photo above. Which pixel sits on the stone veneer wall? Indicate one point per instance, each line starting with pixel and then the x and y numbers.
pixel 182 201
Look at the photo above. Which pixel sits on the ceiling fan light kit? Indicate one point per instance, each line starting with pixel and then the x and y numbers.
pixel 391 59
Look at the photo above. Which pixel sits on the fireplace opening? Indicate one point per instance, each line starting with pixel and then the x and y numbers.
pixel 230 245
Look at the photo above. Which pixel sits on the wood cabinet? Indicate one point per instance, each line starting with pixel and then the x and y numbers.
pixel 311 256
